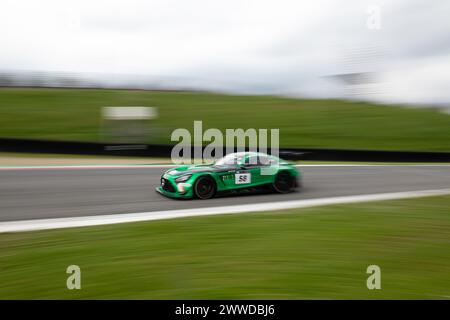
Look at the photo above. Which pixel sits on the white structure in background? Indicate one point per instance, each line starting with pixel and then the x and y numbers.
pixel 129 113
pixel 361 73
pixel 130 124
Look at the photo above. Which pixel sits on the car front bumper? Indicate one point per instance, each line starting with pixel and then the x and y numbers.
pixel 174 195
pixel 175 190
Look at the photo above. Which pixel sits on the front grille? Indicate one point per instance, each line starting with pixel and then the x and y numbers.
pixel 167 185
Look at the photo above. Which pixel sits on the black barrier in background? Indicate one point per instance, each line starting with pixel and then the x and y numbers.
pixel 164 150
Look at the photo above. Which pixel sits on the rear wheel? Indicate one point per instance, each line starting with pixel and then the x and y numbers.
pixel 283 183
pixel 205 188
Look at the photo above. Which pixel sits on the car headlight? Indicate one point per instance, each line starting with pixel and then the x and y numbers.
pixel 183 186
pixel 183 178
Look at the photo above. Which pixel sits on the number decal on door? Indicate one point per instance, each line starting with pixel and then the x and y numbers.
pixel 242 178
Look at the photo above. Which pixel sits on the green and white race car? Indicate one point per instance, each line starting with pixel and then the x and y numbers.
pixel 234 172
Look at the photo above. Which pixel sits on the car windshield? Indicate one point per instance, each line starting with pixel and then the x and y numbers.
pixel 231 159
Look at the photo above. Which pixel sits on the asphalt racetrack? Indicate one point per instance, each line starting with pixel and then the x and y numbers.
pixel 58 193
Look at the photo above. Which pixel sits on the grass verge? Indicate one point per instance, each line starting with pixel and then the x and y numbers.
pixel 315 253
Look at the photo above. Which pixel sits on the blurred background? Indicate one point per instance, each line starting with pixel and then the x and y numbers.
pixel 364 74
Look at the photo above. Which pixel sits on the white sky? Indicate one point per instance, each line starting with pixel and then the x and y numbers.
pixel 257 46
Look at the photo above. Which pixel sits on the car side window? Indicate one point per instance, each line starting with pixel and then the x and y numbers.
pixel 257 161
pixel 264 161
pixel 252 161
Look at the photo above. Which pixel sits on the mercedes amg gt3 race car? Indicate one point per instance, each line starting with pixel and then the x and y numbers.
pixel 234 172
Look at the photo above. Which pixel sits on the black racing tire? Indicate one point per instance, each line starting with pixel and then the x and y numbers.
pixel 284 182
pixel 205 188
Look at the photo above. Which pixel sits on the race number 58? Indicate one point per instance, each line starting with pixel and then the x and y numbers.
pixel 242 178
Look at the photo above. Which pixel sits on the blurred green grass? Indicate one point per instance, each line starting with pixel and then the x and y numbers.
pixel 74 114
pixel 315 253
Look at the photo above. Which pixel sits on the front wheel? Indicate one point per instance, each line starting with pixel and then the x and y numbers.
pixel 283 183
pixel 205 188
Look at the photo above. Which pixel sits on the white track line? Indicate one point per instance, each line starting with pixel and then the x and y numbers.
pixel 57 223
pixel 144 166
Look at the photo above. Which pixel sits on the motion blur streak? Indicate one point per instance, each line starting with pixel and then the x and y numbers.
pixel 43 224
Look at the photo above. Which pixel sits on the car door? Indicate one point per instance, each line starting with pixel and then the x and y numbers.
pixel 227 176
pixel 244 177
pixel 252 170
